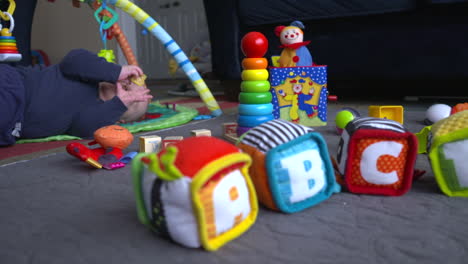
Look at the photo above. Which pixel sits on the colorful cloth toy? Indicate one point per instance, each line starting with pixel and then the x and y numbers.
pixel 196 191
pixel 291 167
pixel 377 156
pixel 447 145
pixel 112 139
pixel 295 52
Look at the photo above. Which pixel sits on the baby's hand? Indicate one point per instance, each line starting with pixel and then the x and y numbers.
pixel 131 96
pixel 129 71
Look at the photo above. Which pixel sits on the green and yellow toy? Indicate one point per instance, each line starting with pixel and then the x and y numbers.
pixel 447 146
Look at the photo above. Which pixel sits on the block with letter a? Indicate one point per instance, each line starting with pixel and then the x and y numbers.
pixel 199 197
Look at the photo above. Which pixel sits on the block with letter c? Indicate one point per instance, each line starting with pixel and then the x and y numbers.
pixel 377 156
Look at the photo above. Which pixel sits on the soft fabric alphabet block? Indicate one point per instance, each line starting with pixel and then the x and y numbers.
pixel 196 191
pixel 291 167
pixel 377 156
pixel 448 152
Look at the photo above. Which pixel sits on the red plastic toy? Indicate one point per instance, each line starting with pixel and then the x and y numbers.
pixel 112 139
pixel 254 45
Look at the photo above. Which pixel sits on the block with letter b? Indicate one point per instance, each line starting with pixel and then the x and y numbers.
pixel 377 156
pixel 291 167
pixel 198 197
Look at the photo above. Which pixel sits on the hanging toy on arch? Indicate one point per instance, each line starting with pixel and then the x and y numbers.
pixel 8 49
pixel 106 17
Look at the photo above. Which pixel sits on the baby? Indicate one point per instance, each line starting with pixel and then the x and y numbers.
pixel 136 110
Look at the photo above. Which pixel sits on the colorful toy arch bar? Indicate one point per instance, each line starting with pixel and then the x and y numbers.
pixel 171 46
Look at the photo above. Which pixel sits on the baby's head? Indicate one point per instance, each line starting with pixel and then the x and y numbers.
pixel 135 111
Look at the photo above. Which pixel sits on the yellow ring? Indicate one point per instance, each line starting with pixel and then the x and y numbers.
pixel 254 75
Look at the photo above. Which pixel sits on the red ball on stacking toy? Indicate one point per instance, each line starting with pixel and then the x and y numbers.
pixel 254 45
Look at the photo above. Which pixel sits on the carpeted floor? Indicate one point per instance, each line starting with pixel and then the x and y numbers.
pixel 56 209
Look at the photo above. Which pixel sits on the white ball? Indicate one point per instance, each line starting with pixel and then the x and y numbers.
pixel 438 112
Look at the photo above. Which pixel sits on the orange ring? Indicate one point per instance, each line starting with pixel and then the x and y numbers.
pixel 254 63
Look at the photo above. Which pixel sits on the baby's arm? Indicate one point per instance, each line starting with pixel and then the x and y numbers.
pixel 87 66
pixel 92 118
pixel 117 102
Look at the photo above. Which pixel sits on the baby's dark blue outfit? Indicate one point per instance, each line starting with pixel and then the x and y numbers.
pixel 59 99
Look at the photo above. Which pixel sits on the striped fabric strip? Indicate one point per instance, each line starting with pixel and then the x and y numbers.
pixel 375 123
pixel 274 133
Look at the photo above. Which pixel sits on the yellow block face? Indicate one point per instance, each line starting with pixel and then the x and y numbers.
pixel 225 202
pixel 393 112
pixel 224 199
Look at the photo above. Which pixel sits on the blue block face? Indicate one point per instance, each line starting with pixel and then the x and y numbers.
pixel 300 173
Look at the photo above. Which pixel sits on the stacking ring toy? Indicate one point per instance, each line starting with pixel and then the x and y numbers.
pixel 255 98
pixel 254 75
pixel 254 63
pixel 255 86
pixel 252 121
pixel 255 109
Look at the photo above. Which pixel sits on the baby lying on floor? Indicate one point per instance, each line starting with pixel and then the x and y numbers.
pixel 38 102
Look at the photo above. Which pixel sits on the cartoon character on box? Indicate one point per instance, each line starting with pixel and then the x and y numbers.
pixel 291 167
pixel 295 52
pixel 196 196
pixel 298 101
pixel 377 156
pixel 300 94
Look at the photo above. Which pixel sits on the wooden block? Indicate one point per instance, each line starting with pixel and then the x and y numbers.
pixel 149 144
pixel 231 138
pixel 230 128
pixel 201 132
pixel 171 140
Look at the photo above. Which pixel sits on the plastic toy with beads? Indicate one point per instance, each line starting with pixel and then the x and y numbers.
pixel 8 48
pixel 291 167
pixel 377 156
pixel 255 105
pixel 197 197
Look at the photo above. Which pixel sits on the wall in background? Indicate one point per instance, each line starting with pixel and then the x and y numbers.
pixel 59 27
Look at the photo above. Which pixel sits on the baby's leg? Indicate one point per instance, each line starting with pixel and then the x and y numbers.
pixel 12 103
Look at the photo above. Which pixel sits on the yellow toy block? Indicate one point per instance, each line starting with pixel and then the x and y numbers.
pixel 393 112
pixel 149 144
pixel 201 132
